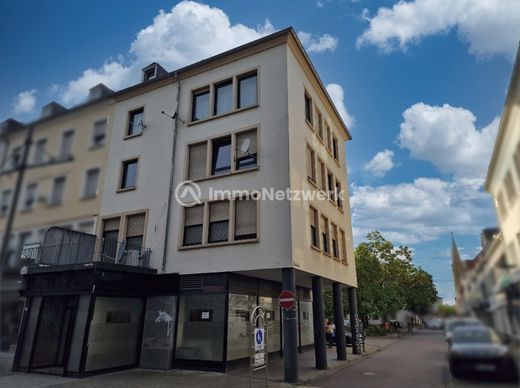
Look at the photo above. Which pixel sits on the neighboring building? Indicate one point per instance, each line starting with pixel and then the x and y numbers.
pixel 176 285
pixel 503 183
pixel 458 270
pixel 61 184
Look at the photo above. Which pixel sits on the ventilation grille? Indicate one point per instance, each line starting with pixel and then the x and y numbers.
pixel 191 282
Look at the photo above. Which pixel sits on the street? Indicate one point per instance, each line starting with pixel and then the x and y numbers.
pixel 418 360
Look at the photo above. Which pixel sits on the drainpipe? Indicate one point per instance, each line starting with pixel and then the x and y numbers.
pixel 172 171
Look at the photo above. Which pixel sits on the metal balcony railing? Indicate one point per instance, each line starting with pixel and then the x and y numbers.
pixel 85 252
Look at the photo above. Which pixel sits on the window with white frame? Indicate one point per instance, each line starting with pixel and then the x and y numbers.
pixel 193 225
pixel 335 150
pixel 40 151
pixel 319 118
pixel 99 133
pixel 58 189
pixel 330 185
pixel 30 196
pixel 325 235
pixel 335 245
pixel 245 219
pixel 339 194
pixel 91 183
pixel 329 138
pixel 5 202
pixel 218 230
pixel 322 176
pixel 308 108
pixel 128 174
pixel 200 105
pixel 314 221
pixel 66 144
pixel 311 164
pixel 16 157
pixel 343 246
pixel 135 122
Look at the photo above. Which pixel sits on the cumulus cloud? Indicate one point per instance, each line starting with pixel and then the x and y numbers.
pixel 447 137
pixel 420 211
pixel 489 27
pixel 318 44
pixel 338 97
pixel 381 163
pixel 24 102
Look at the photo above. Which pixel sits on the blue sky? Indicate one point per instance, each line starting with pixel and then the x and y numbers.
pixel 424 84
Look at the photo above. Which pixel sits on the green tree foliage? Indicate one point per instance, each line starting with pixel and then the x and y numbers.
pixel 387 279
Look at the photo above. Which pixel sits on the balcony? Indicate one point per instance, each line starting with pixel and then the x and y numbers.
pixel 85 251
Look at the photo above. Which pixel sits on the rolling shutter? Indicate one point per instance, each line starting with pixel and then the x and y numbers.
pixel 197 161
pixel 135 225
pixel 245 218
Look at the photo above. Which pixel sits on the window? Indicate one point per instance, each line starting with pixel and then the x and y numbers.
pixel 129 174
pixel 314 227
pixel 245 153
pixel 335 251
pixel 223 98
pixel 66 144
pixel 40 151
pixel 517 162
pixel 245 219
pixel 322 177
pixel 30 196
pixel 16 157
pixel 110 237
pixel 510 188
pixel 135 231
pixel 200 108
pixel 308 108
pixel 320 126
pixel 91 183
pixel 325 234
pixel 330 185
pixel 218 222
pixel 311 164
pixel 335 147
pixel 58 189
pixel 99 133
pixel 5 202
pixel 221 162
pixel 329 139
pixel 197 160
pixel 339 194
pixel 247 91
pixel 149 74
pixel 193 221
pixel 135 122
pixel 343 246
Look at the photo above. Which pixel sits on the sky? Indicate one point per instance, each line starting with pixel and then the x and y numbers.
pixel 421 85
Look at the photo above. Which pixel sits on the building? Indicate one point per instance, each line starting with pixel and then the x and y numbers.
pixel 61 181
pixel 167 283
pixel 503 183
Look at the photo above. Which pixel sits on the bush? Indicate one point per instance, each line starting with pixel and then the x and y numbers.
pixel 376 331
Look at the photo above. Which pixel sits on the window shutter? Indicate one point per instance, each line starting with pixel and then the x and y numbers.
pixel 219 211
pixel 194 215
pixel 197 161
pixel 135 225
pixel 241 137
pixel 245 217
pixel 111 224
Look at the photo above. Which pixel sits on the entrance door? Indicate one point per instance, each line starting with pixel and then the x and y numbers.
pixel 53 334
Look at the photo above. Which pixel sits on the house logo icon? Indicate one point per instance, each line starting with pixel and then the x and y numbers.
pixel 188 194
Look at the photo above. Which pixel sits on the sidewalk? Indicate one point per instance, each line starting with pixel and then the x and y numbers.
pixel 137 378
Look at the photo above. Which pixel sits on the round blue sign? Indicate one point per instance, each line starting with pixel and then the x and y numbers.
pixel 259 337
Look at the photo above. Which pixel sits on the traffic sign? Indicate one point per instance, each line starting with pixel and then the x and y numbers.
pixel 259 339
pixel 287 299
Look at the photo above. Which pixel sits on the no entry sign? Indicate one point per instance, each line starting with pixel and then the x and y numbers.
pixel 287 300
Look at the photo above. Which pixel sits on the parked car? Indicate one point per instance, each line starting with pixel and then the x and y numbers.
pixel 452 323
pixel 434 323
pixel 477 349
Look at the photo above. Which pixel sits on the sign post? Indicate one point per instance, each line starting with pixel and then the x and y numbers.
pixel 259 354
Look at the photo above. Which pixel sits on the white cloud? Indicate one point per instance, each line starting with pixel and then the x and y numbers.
pixel 338 97
pixel 420 211
pixel 381 163
pixel 447 137
pixel 489 27
pixel 24 102
pixel 318 44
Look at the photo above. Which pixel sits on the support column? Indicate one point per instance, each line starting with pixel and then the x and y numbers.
pixel 318 320
pixel 290 331
pixel 352 303
pixel 337 301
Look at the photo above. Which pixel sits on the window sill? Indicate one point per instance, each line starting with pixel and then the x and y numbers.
pixel 341 209
pixel 88 198
pixel 309 124
pixel 337 259
pixel 126 189
pixel 214 117
pixel 26 210
pixel 127 137
pixel 96 147
pixel 219 244
pixel 255 168
pixel 332 202
pixel 312 182
pixel 327 254
pixel 54 204
pixel 337 161
pixel 317 249
pixel 344 262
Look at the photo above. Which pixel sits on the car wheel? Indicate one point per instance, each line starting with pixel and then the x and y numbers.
pixel 455 370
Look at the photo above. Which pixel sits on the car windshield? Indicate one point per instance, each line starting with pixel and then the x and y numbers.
pixel 472 336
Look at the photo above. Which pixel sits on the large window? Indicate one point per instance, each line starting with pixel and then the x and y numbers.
pixel 16 157
pixel 110 237
pixel 99 133
pixel 135 231
pixel 339 195
pixel 343 246
pixel 223 98
pixel 247 91
pixel 320 125
pixel 335 151
pixel 311 164
pixel 58 190
pixel 193 222
pixel 322 181
pixel 245 150
pixel 315 240
pixel 218 222
pixel 135 122
pixel 335 247
pixel 91 183
pixel 66 144
pixel 221 161
pixel 329 138
pixel 128 174
pixel 308 108
pixel 325 237
pixel 200 108
pixel 40 151
pixel 330 185
pixel 5 202
pixel 245 219
pixel 30 196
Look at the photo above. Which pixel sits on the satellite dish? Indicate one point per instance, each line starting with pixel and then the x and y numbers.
pixel 244 147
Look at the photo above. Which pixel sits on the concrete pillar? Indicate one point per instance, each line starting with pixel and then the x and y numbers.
pixel 318 320
pixel 337 301
pixel 290 331
pixel 352 303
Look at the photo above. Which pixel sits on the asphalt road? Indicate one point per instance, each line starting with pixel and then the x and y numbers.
pixel 417 360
